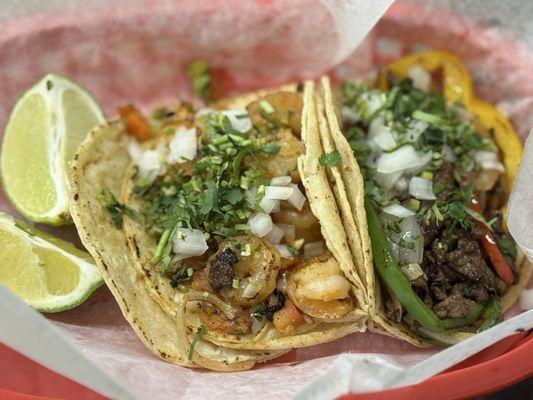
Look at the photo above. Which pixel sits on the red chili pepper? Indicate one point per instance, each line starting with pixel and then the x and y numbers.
pixel 489 244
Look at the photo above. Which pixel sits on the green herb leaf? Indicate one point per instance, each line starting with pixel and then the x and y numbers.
pixel 210 198
pixel 115 209
pixel 478 217
pixel 199 72
pixel 234 195
pixel 199 333
pixel 507 245
pixel 331 159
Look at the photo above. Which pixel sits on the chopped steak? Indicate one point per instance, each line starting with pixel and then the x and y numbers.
pixel 445 182
pixel 454 306
pixel 457 271
pixel 430 228
pixel 221 269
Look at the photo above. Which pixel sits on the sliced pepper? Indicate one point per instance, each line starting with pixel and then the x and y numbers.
pixel 136 124
pixel 458 88
pixel 491 314
pixel 393 277
pixel 491 248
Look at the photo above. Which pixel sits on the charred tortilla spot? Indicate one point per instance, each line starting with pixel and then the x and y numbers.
pixel 137 250
pixel 221 269
pixel 76 197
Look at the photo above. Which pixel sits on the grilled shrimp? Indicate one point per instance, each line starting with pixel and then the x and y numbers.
pixel 319 289
pixel 255 273
pixel 285 161
pixel 215 320
pixel 306 225
pixel 287 111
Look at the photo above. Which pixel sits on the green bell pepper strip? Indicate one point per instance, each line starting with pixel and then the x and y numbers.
pixel 491 314
pixel 393 277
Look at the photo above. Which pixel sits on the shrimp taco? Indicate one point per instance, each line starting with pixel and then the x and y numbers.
pixel 423 174
pixel 205 233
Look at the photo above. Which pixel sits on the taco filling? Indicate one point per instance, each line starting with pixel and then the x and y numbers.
pixel 435 185
pixel 219 194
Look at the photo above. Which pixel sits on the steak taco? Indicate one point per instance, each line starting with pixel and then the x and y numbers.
pixel 204 232
pixel 423 175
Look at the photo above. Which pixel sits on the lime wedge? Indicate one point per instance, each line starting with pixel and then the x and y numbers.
pixel 50 274
pixel 43 132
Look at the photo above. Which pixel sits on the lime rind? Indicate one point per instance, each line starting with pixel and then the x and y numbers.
pixel 89 275
pixel 52 88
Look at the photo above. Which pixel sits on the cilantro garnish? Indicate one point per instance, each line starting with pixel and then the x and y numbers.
pixel 293 251
pixel 183 274
pixel 331 159
pixel 115 209
pixel 506 245
pixel 199 72
pixel 213 197
pixel 199 333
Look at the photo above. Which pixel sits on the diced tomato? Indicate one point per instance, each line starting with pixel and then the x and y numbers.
pixel 136 124
pixel 288 318
pixel 491 247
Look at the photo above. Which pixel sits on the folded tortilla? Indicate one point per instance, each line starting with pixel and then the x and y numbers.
pixel 348 180
pixel 162 316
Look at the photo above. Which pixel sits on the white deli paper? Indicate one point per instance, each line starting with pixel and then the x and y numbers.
pixel 135 51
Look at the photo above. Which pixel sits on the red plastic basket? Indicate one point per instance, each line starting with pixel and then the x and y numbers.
pixel 495 368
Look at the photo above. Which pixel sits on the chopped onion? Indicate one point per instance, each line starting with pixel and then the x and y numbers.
pixel 260 224
pixel 414 129
pixel 385 140
pixel 284 251
pixel 488 160
pixel 447 154
pixel 526 299
pixel 252 288
pixel 251 195
pixel 275 235
pixel 135 150
pixel 205 111
pixel 377 125
pixel 420 77
pixel 412 271
pixel 278 192
pixel 269 205
pixel 398 210
pixel 387 181
pixel 373 100
pixel 183 145
pixel 313 249
pixel 189 242
pixel 423 162
pixel 399 160
pixel 289 232
pixel 412 249
pixel 402 185
pixel 257 325
pixel 350 115
pixel 421 189
pixel 239 120
pixel 150 163
pixel 281 180
pixel 297 198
